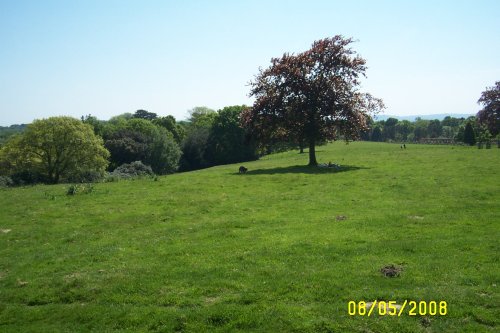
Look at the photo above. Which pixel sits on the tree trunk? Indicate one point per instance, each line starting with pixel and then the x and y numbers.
pixel 312 153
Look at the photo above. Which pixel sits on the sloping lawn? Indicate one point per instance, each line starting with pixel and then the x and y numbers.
pixel 283 248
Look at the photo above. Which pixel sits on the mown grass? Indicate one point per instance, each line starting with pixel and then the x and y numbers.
pixel 267 251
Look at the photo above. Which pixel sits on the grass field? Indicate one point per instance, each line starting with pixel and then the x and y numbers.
pixel 283 248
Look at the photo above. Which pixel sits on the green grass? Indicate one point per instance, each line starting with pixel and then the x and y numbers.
pixel 216 251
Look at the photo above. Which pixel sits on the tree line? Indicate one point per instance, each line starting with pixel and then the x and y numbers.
pixel 301 101
pixel 65 149
pixel 460 130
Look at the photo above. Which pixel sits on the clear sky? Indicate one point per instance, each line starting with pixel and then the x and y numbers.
pixel 104 57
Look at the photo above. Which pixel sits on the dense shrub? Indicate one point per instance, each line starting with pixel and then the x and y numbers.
pixel 131 170
pixel 87 177
pixel 6 181
pixel 141 140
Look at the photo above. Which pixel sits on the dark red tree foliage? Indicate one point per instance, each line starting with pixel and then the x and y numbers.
pixel 490 114
pixel 311 96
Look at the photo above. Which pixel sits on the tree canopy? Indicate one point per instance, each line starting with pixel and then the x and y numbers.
pixel 54 148
pixel 489 116
pixel 311 96
pixel 226 142
pixel 141 140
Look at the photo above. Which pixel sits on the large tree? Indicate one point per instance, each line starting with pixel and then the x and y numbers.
pixel 469 134
pixel 143 114
pixel 55 148
pixel 226 141
pixel 311 96
pixel 490 114
pixel 141 140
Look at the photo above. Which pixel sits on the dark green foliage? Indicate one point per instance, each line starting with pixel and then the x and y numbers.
pixel 87 176
pixel 403 130
pixel 6 181
pixel 97 125
pixel 141 140
pixel 377 134
pixel 421 129
pixel 172 126
pixel 434 128
pixel 215 138
pixel 126 145
pixel 390 128
pixel 27 177
pixel 469 135
pixel 143 114
pixel 193 149
pixel 132 170
pixel 226 142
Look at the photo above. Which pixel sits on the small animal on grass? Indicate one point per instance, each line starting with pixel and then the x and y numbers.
pixel 404 146
pixel 243 169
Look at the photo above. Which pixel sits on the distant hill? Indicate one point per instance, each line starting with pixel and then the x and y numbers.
pixel 439 116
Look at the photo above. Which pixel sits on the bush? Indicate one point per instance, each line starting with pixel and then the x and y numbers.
pixel 131 170
pixel 80 189
pixel 6 181
pixel 27 178
pixel 88 176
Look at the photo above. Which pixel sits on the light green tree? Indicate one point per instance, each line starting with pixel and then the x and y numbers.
pixel 55 148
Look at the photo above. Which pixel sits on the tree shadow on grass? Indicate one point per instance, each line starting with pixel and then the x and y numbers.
pixel 303 169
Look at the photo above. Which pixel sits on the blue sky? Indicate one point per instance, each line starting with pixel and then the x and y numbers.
pixel 105 58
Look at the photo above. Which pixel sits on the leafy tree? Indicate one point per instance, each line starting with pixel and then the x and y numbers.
pixel 451 121
pixel 141 140
pixel 97 125
pixel 55 148
pixel 312 96
pixel 121 118
pixel 390 128
pixel 201 116
pixel 434 128
pixel 226 142
pixel 469 135
pixel 403 129
pixel 460 134
pixel 126 146
pixel 143 114
pixel 194 146
pixel 421 127
pixel 193 149
pixel 172 126
pixel 365 135
pixel 489 116
pixel 377 134
pixel 448 132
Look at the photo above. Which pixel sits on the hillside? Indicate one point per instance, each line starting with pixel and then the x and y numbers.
pixel 283 248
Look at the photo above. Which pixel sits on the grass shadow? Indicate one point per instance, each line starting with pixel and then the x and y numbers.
pixel 303 169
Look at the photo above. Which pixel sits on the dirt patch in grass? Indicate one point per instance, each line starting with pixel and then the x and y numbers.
pixel 391 270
